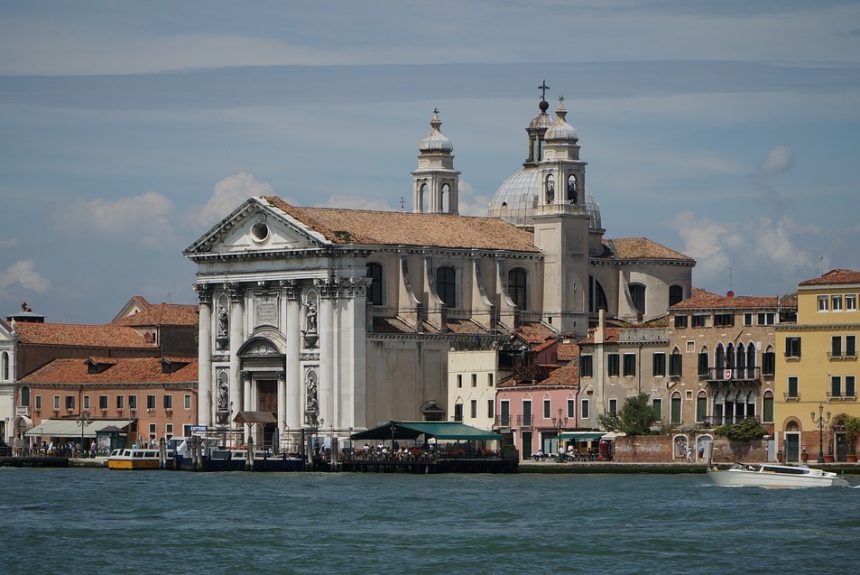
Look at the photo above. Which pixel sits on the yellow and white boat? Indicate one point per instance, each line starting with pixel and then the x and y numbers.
pixel 134 459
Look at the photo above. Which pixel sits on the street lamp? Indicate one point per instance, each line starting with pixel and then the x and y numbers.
pixel 85 420
pixel 820 420
pixel 559 422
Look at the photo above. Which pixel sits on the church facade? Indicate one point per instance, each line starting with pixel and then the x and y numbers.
pixel 336 320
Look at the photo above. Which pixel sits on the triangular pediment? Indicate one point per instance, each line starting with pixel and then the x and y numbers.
pixel 256 226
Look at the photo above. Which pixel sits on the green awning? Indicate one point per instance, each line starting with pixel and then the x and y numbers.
pixel 582 435
pixel 438 429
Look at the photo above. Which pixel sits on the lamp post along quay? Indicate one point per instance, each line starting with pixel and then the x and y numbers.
pixel 85 420
pixel 821 420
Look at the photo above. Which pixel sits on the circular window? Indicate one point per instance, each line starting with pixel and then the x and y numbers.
pixel 260 232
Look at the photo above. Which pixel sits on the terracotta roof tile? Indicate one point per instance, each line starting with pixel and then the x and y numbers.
pixel 834 277
pixel 162 314
pixel 367 227
pixel 534 333
pixel 643 248
pixel 125 370
pixel 81 335
pixel 566 376
pixel 568 351
pixel 707 300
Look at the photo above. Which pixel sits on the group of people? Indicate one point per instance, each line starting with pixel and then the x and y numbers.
pixel 73 449
pixel 570 453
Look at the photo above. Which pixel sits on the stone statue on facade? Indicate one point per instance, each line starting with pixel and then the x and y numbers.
pixel 312 400
pixel 222 336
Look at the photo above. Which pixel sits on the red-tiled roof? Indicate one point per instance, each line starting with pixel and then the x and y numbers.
pixel 534 333
pixel 125 370
pixel 567 351
pixel 643 248
pixel 834 277
pixel 610 335
pixel 566 376
pixel 162 314
pixel 81 335
pixel 403 228
pixel 708 300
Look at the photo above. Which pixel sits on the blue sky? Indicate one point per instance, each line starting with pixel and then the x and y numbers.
pixel 726 130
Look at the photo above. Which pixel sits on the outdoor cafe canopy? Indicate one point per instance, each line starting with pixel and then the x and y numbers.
pixel 582 435
pixel 445 430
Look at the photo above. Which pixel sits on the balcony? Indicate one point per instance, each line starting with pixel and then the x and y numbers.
pixel 717 420
pixel 841 397
pixel 715 374
pixel 502 421
pixel 513 421
pixel 841 356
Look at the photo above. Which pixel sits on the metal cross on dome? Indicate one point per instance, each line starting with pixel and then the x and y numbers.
pixel 543 88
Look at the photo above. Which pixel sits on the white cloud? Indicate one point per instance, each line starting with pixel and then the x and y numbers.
pixel 774 244
pixel 471 203
pixel 141 219
pixel 227 195
pixel 25 275
pixel 8 242
pixel 779 160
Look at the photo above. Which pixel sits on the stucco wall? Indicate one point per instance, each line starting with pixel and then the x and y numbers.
pixel 659 449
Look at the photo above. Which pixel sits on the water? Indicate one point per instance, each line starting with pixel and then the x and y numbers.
pixel 98 521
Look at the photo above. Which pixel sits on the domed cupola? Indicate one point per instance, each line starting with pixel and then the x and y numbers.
pixel 537 128
pixel 435 183
pixel 560 130
pixel 435 141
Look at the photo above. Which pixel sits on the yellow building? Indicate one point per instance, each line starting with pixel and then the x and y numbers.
pixel 817 369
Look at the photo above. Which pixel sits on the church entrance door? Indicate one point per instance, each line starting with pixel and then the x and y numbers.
pixel 267 400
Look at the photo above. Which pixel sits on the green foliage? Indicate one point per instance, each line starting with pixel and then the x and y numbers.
pixel 746 430
pixel 852 430
pixel 635 418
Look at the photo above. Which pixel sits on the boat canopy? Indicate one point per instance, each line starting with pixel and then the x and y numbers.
pixel 72 427
pixel 439 429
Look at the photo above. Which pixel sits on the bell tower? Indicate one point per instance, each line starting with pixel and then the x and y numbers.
pixel 435 183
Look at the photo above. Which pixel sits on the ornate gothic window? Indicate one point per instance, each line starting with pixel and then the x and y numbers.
pixel 446 285
pixel 517 287
pixel 374 292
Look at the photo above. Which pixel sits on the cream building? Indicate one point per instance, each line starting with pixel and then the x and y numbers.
pixel 472 387
pixel 337 320
pixel 817 368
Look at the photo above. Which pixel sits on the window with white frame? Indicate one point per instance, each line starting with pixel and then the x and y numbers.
pixel 822 303
pixel 547 409
pixel 851 302
pixel 836 303
pixel 56 402
pixel 186 401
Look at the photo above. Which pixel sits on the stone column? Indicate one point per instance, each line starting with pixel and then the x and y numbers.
pixel 293 328
pixel 204 355
pixel 328 295
pixel 282 407
pixel 247 402
pixel 236 294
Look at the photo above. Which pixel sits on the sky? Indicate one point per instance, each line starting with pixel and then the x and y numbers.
pixel 726 130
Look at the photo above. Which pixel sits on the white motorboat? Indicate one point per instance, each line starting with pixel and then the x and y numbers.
pixel 774 476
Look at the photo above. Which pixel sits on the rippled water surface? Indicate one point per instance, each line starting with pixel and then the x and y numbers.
pixel 99 521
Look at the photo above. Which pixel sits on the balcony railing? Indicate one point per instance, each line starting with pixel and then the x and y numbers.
pixel 514 420
pixel 717 420
pixel 732 374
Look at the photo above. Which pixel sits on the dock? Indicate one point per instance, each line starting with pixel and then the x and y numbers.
pixel 40 461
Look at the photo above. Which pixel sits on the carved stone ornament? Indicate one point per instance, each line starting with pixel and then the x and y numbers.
pixel 311 399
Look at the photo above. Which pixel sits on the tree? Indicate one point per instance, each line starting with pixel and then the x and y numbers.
pixel 635 418
pixel 746 430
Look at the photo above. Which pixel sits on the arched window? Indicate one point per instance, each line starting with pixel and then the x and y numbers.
pixel 446 197
pixel 703 362
pixel 5 368
pixel 676 294
pixel 596 296
pixel 25 396
pixel 730 357
pixel 720 357
pixel 637 293
pixel 768 361
pixel 751 359
pixel 701 407
pixel 741 362
pixel 676 407
pixel 446 285
pixel 550 188
pixel 675 365
pixel 571 189
pixel 374 292
pixel 422 198
pixel 517 287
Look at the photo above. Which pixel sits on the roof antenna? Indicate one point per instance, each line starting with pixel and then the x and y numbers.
pixel 402 204
pixel 731 279
pixel 821 265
